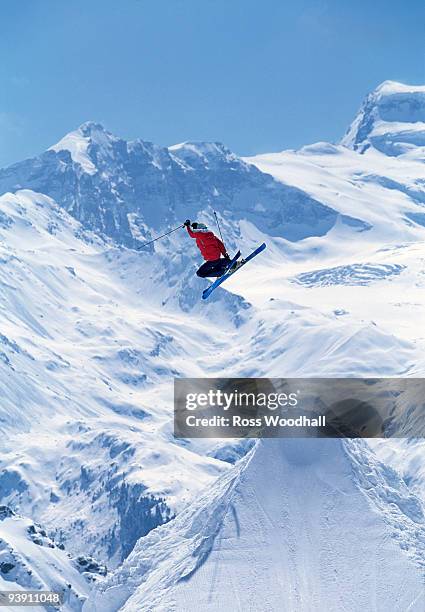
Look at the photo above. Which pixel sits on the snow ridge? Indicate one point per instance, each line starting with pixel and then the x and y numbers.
pixel 391 119
pixel 202 559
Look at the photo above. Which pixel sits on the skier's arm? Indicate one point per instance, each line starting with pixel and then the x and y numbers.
pixel 186 224
pixel 221 247
pixel 189 231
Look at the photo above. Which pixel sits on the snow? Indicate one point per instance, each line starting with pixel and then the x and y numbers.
pixel 77 145
pixel 198 148
pixel 209 154
pixel 89 144
pixel 373 276
pixel 317 516
pixel 393 87
pixel 94 364
pixel 33 562
pixel 92 333
pixel 391 120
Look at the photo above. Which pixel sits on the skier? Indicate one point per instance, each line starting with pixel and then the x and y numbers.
pixel 211 249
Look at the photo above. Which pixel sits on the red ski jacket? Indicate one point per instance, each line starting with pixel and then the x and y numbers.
pixel 210 246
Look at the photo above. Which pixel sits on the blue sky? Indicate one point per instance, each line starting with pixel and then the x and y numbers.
pixel 258 75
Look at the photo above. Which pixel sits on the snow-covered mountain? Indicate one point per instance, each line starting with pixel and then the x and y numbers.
pixel 126 190
pixel 31 560
pixel 392 120
pixel 299 524
pixel 92 332
pixel 86 359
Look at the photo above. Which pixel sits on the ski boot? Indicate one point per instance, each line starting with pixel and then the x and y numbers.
pixel 237 265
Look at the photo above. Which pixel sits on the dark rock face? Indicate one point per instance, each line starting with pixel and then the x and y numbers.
pixel 5 512
pixel 138 514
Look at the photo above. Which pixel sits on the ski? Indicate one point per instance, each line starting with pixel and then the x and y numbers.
pixel 229 272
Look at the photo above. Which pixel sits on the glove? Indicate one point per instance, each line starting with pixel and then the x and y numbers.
pixel 226 256
pixel 187 223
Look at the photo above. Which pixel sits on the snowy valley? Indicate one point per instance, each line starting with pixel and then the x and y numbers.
pixel 93 331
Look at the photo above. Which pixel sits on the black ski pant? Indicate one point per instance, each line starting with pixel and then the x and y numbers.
pixel 213 268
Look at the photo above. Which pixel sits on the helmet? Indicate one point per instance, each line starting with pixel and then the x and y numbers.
pixel 200 227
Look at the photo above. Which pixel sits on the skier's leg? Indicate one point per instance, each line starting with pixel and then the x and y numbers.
pixel 221 266
pixel 212 268
pixel 218 267
pixel 207 269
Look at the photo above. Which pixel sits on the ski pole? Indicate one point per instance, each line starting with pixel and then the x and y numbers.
pixel 218 225
pixel 158 237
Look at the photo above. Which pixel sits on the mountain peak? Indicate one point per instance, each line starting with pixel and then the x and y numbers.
pixel 78 141
pixel 92 128
pixel 195 152
pixel 390 120
pixel 200 146
pixel 393 87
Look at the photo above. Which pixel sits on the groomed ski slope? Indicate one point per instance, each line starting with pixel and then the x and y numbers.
pixel 302 525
